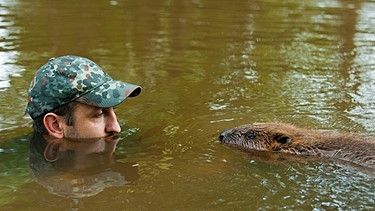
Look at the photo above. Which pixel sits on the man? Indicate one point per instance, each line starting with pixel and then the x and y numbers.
pixel 72 97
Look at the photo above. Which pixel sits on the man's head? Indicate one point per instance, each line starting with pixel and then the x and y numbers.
pixel 69 88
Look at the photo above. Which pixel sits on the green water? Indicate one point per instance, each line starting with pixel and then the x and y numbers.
pixel 204 66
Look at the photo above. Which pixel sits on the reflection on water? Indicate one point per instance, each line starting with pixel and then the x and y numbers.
pixel 8 45
pixel 205 66
pixel 362 72
pixel 78 168
pixel 8 58
pixel 306 186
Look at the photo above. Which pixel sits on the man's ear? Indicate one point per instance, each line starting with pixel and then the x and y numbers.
pixel 52 122
pixel 51 152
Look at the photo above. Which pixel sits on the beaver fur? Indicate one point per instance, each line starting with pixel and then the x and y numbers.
pixel 287 138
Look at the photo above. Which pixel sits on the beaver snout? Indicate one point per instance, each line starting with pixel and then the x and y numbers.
pixel 223 135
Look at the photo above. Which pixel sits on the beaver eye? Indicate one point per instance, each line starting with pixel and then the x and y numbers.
pixel 249 135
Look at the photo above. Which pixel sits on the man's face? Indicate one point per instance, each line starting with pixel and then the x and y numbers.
pixel 92 122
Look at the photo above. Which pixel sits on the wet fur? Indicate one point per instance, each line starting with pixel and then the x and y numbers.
pixel 282 137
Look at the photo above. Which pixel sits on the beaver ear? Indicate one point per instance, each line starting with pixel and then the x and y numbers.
pixel 283 139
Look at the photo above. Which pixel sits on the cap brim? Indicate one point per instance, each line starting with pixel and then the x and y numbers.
pixel 110 94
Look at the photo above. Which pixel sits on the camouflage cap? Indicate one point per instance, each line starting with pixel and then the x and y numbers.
pixel 72 78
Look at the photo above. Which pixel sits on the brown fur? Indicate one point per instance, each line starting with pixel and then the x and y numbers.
pixel 281 137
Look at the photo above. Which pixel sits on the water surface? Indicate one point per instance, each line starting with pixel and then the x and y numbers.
pixel 204 66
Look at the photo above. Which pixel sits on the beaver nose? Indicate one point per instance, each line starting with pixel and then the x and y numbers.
pixel 223 134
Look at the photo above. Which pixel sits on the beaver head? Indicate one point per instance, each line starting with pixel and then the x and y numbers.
pixel 263 136
pixel 289 139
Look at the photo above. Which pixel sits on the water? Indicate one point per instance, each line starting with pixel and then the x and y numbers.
pixel 204 66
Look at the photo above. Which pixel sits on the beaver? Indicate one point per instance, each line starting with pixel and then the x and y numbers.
pixel 287 138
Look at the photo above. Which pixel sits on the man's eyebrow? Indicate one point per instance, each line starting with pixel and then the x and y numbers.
pixel 93 109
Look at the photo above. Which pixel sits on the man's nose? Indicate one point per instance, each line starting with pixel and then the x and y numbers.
pixel 112 125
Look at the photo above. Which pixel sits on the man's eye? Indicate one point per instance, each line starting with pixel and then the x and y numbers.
pixel 99 115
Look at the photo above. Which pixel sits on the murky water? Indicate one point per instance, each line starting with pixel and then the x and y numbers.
pixel 205 66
